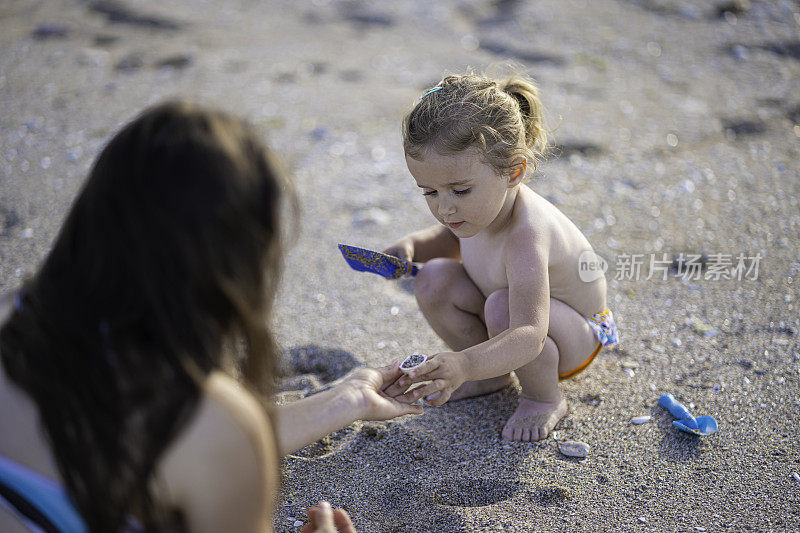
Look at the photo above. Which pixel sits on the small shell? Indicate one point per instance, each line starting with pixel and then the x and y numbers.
pixel 413 361
pixel 640 419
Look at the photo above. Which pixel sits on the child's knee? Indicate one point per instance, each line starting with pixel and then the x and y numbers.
pixel 495 312
pixel 548 357
pixel 431 284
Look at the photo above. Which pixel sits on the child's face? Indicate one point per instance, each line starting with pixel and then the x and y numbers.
pixel 463 193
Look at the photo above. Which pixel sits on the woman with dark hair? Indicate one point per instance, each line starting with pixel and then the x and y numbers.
pixel 115 411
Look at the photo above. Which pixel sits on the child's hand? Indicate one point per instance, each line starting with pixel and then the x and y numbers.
pixel 446 373
pixel 402 249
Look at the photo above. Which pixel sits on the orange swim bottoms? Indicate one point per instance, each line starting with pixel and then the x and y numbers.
pixel 605 329
pixel 581 367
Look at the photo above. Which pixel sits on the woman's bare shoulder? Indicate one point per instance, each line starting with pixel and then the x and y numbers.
pixel 222 470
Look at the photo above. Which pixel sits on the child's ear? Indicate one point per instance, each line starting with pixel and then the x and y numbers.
pixel 519 168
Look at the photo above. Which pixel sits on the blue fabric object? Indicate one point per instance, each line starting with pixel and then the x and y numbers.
pixel 604 327
pixel 42 494
pixel 41 503
pixel 388 266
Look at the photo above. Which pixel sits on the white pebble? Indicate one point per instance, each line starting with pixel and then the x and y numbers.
pixel 27 233
pixel 298 523
pixel 574 448
pixel 699 528
pixel 378 153
pixel 676 341
pixel 640 419
pixel 373 215
pixel 796 476
pixel 394 310
pixel 470 43
pixel 630 372
pixel 643 519
pixel 73 154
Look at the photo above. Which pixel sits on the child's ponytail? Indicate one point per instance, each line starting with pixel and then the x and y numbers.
pixel 523 90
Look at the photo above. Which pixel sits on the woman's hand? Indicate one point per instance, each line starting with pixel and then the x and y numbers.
pixel 446 373
pixel 323 519
pixel 371 385
pixel 402 249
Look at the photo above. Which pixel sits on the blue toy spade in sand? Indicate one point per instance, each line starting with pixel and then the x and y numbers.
pixel 388 266
pixel 702 425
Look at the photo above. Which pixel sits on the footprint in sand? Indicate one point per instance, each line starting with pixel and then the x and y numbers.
pixel 327 446
pixel 328 364
pixel 551 495
pixel 307 370
pixel 473 492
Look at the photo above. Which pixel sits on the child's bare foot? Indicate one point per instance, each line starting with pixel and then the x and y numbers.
pixel 533 421
pixel 480 387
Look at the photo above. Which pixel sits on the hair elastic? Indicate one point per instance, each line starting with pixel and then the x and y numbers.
pixel 431 91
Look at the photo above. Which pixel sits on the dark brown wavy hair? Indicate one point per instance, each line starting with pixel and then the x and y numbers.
pixel 168 257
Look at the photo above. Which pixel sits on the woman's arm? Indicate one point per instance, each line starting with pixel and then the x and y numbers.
pixel 359 396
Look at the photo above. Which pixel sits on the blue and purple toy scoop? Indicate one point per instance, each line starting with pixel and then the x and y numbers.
pixel 388 266
pixel 702 425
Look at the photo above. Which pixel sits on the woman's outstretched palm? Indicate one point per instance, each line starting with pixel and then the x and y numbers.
pixel 370 384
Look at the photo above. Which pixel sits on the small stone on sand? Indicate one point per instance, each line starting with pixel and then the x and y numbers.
pixel 298 523
pixel 574 448
pixel 640 419
pixel 796 476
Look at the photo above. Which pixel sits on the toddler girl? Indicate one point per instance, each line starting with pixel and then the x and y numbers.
pixel 501 282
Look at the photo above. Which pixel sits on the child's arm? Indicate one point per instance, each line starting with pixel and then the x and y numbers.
pixel 426 244
pixel 526 260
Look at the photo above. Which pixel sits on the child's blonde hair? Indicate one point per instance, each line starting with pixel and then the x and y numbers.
pixel 502 117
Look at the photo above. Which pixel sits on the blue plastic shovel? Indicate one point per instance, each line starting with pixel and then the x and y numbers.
pixel 702 425
pixel 388 266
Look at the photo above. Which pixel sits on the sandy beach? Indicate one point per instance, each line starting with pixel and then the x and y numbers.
pixel 677 132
